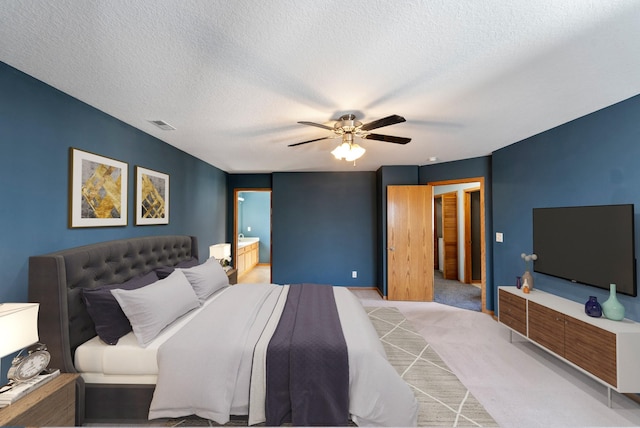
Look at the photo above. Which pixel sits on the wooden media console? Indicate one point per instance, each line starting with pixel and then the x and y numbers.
pixel 607 351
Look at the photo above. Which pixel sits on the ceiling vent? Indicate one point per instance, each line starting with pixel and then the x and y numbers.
pixel 162 125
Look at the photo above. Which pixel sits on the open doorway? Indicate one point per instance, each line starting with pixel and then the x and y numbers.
pixel 459 243
pixel 252 235
pixel 472 248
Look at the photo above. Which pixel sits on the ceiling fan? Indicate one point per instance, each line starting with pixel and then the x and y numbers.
pixel 347 127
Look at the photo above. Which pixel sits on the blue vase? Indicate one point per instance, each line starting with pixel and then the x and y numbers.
pixel 592 307
pixel 612 308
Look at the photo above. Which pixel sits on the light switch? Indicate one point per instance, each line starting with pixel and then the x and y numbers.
pixel 499 237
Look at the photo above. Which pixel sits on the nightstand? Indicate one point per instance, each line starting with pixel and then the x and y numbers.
pixel 233 276
pixel 52 404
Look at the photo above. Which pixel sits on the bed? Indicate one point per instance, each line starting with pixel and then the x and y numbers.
pixel 111 388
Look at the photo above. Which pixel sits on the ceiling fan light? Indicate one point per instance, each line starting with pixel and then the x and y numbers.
pixel 348 152
pixel 355 152
pixel 342 151
pixel 348 128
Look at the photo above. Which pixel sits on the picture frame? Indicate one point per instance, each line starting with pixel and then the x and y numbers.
pixel 97 190
pixel 152 197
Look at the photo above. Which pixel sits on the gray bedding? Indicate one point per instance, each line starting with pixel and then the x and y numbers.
pixel 215 366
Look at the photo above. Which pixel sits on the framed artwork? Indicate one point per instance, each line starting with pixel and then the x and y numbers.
pixel 98 190
pixel 152 197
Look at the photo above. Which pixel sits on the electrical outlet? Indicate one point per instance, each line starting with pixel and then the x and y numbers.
pixel 354 274
pixel 499 237
pixel 248 228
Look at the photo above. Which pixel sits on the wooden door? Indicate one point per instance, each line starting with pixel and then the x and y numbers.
pixel 437 230
pixel 450 235
pixel 472 237
pixel 410 243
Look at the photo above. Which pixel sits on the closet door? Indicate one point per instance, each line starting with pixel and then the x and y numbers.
pixel 410 243
pixel 450 235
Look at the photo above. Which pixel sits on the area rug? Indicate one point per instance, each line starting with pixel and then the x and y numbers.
pixel 443 400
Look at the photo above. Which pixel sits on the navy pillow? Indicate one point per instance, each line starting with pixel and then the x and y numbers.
pixel 109 320
pixel 165 271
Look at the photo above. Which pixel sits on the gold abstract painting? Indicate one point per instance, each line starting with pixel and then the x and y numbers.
pixel 101 190
pixel 152 197
pixel 98 190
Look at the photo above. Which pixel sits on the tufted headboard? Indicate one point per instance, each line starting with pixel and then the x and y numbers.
pixel 56 281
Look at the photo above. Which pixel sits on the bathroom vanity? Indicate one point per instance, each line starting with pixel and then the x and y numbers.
pixel 248 254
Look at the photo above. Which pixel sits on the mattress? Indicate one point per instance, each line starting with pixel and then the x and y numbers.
pixel 127 362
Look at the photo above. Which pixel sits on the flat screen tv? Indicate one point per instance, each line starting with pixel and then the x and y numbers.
pixel 592 245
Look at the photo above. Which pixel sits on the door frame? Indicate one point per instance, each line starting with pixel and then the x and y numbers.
pixel 483 237
pixel 446 272
pixel 436 244
pixel 468 275
pixel 234 239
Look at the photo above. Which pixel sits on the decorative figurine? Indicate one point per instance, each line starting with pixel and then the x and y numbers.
pixel 592 307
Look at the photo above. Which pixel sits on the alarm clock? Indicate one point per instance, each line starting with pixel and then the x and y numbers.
pixel 25 367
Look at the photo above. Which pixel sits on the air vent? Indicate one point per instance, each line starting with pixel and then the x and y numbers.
pixel 162 125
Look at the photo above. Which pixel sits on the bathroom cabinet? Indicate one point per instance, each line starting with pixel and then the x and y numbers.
pixel 248 257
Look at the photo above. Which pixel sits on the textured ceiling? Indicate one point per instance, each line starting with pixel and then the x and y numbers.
pixel 235 76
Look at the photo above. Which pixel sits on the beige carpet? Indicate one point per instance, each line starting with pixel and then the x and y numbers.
pixel 444 400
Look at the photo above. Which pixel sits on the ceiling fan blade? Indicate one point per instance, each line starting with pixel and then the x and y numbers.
pixel 310 141
pixel 385 121
pixel 319 125
pixel 387 138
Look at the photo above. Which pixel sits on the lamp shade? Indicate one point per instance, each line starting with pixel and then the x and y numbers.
pixel 348 151
pixel 220 251
pixel 18 326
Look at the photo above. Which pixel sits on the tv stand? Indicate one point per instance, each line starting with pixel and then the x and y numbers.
pixel 604 350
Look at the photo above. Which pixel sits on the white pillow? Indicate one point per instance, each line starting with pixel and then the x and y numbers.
pixel 206 278
pixel 152 308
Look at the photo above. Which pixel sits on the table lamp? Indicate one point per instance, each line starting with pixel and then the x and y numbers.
pixel 220 252
pixel 18 326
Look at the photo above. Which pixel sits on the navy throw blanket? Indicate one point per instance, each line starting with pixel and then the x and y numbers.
pixel 307 362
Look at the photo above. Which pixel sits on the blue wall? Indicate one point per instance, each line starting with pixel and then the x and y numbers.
pixel 324 227
pixel 38 124
pixel 592 160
